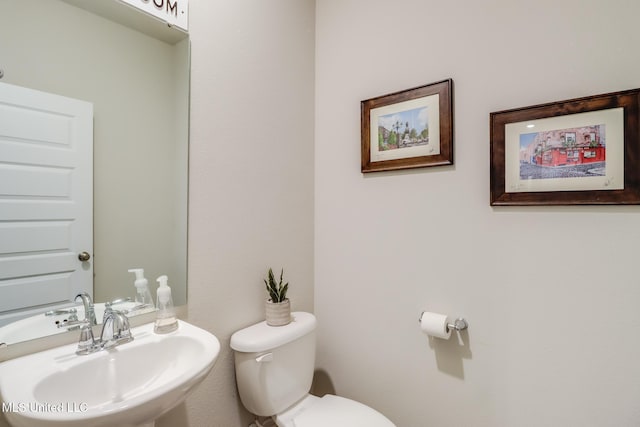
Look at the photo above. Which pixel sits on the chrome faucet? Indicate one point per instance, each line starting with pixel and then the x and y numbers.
pixel 89 313
pixel 115 331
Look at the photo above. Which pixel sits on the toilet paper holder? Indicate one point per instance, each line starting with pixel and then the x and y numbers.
pixel 459 324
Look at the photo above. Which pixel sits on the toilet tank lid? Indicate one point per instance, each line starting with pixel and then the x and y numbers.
pixel 262 337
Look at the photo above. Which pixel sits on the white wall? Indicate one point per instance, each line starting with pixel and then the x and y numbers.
pixel 251 177
pixel 551 294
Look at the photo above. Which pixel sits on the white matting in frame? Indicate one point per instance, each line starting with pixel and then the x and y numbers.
pixel 612 179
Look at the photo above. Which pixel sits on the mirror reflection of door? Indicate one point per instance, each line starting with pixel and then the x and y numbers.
pixel 46 202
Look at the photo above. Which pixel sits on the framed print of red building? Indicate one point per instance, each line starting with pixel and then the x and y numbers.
pixel 564 147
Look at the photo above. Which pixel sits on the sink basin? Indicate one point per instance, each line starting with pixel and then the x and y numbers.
pixel 129 385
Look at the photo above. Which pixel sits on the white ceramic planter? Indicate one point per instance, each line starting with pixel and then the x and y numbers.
pixel 278 313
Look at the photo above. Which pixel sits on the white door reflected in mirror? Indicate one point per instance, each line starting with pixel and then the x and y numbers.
pixel 46 200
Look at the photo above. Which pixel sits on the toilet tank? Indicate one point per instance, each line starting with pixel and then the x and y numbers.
pixel 274 364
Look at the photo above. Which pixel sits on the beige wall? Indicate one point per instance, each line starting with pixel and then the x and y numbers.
pixel 551 294
pixel 251 177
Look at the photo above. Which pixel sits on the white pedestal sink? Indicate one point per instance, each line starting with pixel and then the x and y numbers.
pixel 129 385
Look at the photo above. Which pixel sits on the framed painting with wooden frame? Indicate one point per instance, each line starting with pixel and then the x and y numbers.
pixel 583 151
pixel 408 129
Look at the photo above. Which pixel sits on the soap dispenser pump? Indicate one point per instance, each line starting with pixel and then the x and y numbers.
pixel 143 296
pixel 166 316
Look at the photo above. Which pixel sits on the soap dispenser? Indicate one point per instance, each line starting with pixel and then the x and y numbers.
pixel 143 296
pixel 166 316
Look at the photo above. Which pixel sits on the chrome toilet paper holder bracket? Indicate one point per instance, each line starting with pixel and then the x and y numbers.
pixel 460 324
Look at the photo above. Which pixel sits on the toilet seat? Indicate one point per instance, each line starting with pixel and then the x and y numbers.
pixel 333 411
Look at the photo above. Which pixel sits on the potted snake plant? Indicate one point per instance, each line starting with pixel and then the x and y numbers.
pixel 277 306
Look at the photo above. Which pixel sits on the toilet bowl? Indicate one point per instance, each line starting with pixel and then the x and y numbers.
pixel 274 370
pixel 334 411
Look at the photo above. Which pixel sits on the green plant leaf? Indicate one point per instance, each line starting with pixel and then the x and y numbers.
pixel 277 291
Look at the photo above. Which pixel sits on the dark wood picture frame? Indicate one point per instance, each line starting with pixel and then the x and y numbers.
pixel 520 173
pixel 428 143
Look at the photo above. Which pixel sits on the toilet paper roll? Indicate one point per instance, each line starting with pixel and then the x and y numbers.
pixel 435 325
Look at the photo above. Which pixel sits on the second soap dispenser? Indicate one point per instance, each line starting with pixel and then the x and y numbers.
pixel 166 320
pixel 143 296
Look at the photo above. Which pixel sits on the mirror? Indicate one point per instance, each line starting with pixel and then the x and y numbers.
pixel 138 84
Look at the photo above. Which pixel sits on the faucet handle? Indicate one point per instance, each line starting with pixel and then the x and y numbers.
pixel 86 342
pixel 124 334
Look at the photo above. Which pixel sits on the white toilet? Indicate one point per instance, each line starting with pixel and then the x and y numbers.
pixel 274 370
